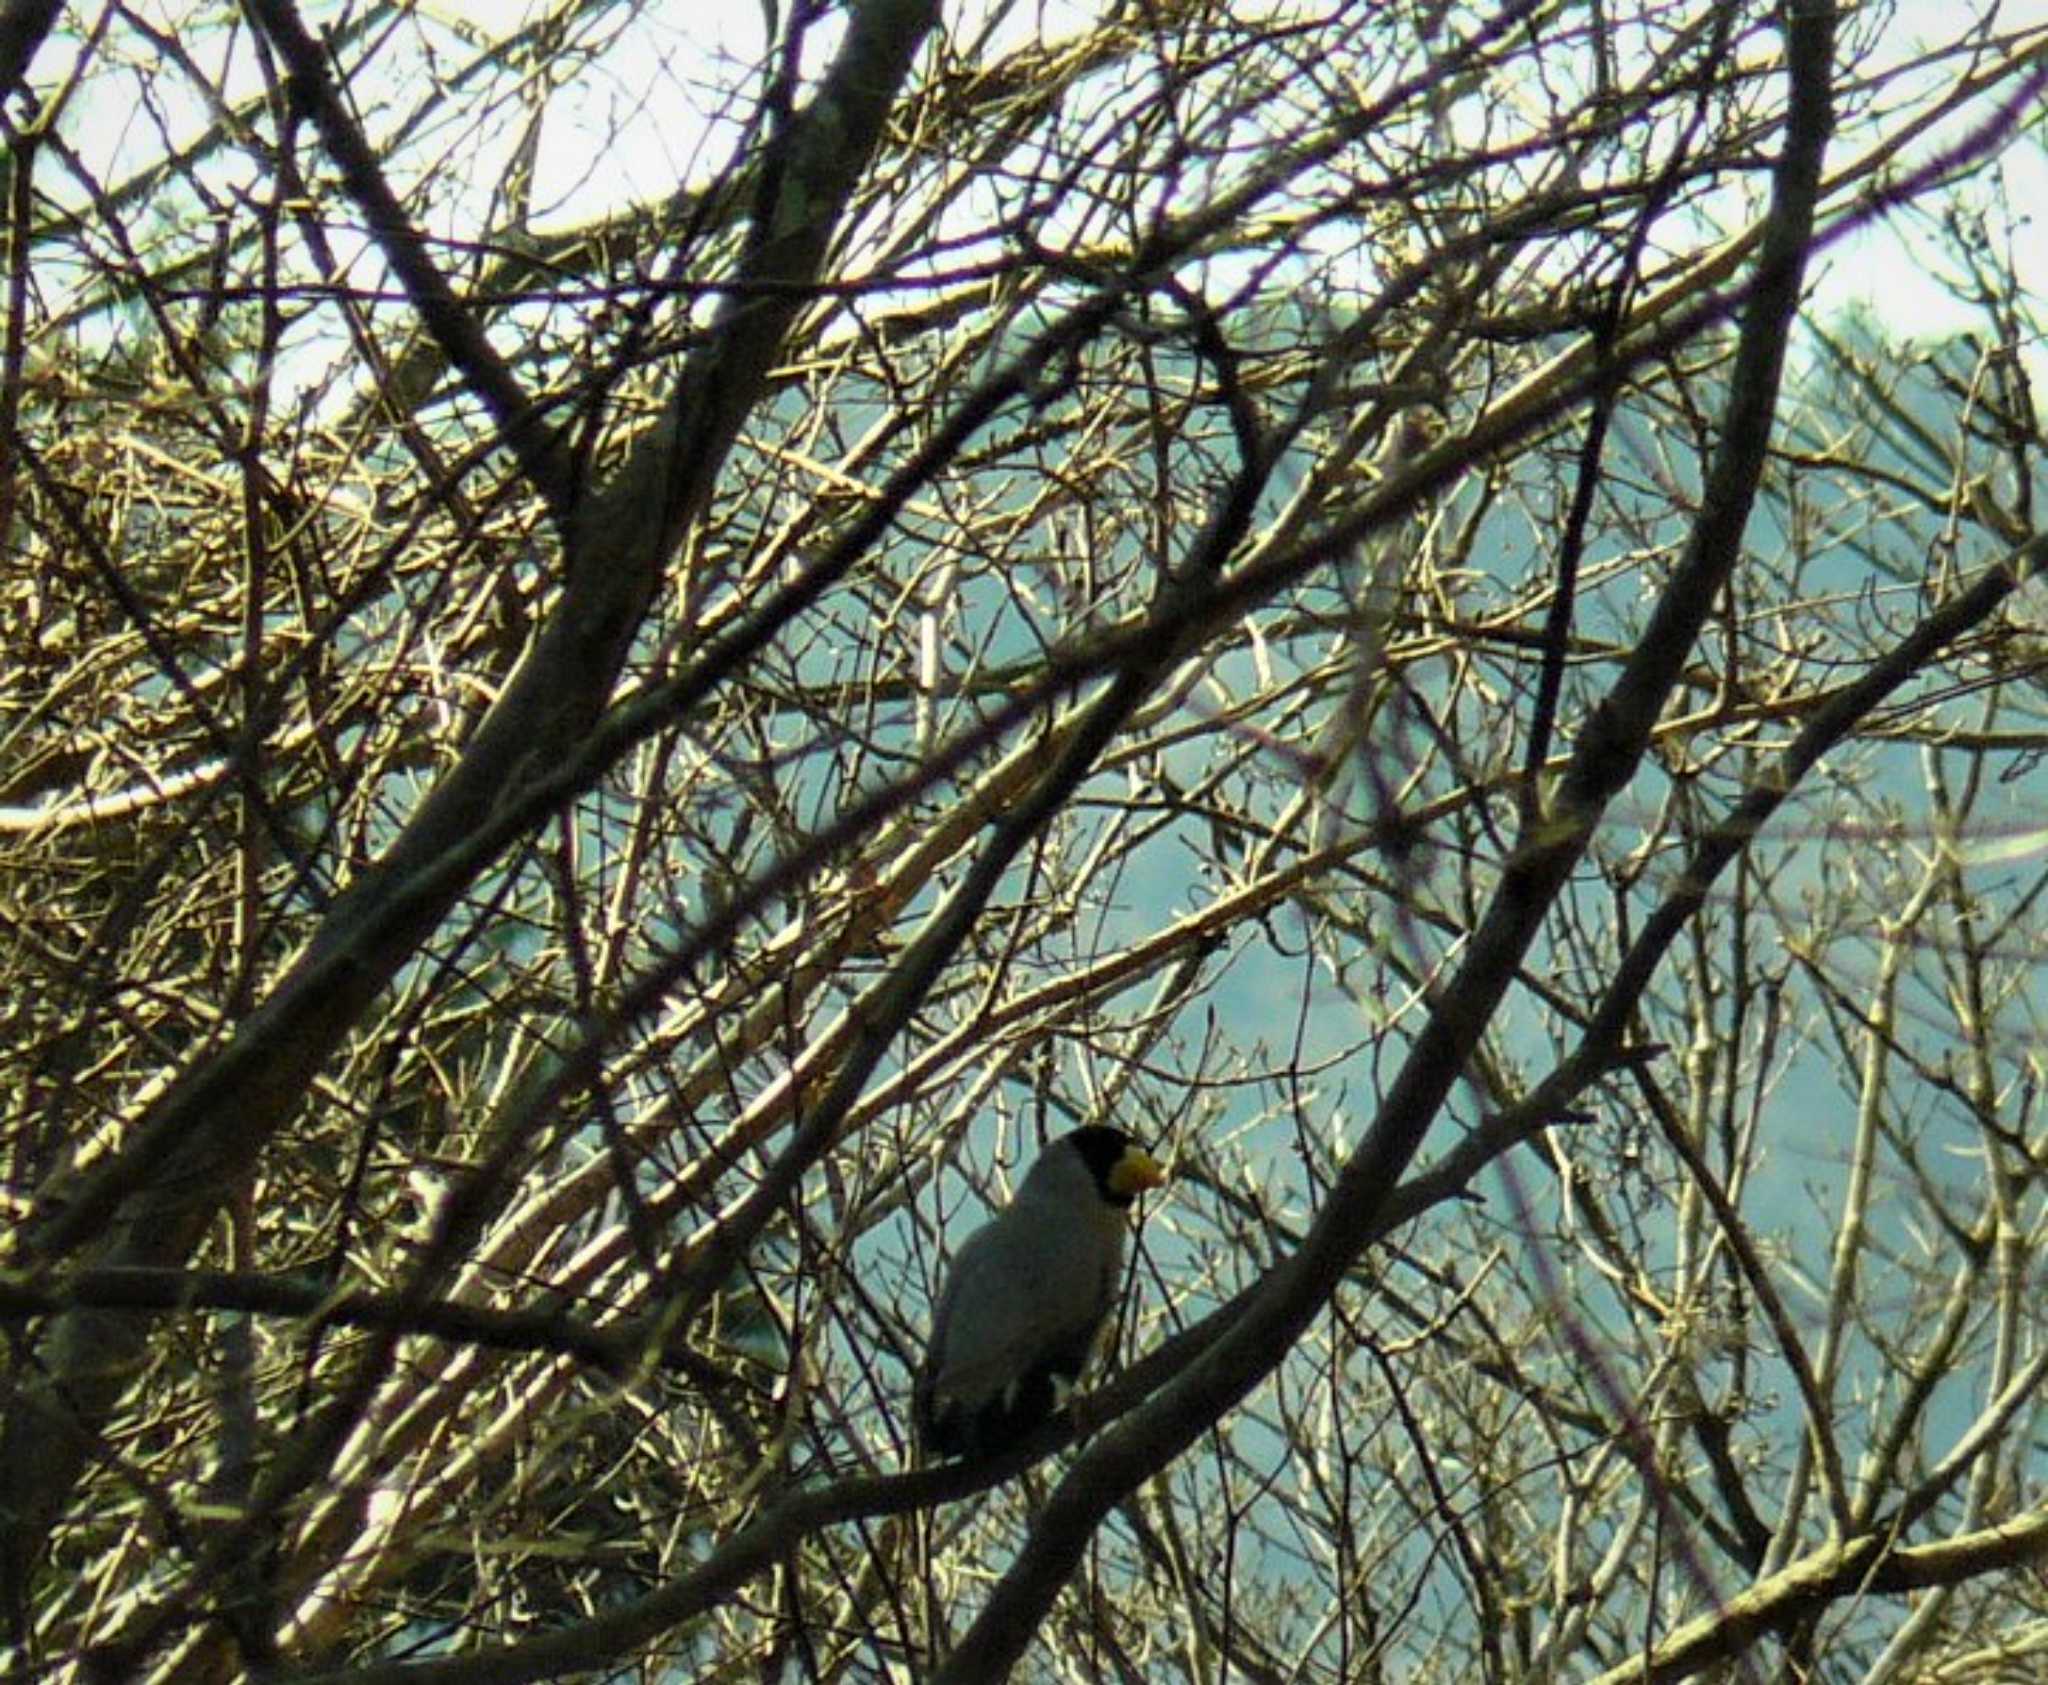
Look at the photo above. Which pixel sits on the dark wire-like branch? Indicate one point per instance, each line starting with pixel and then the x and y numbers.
pixel 173 1291
pixel 1868 1566
pixel 1612 317
pixel 886 1015
pixel 520 425
pixel 151 1202
pixel 1873 1563
pixel 1295 1292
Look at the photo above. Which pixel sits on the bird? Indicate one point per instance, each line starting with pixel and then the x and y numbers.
pixel 1027 1294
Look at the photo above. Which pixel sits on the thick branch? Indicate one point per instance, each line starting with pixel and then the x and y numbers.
pixel 1296 1291
pixel 1863 1565
pixel 1779 1599
pixel 200 1140
pixel 24 26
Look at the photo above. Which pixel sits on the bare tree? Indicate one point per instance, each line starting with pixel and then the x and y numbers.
pixel 634 667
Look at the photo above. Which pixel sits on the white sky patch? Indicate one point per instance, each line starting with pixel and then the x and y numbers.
pixel 1901 274
pixel 654 119
pixel 661 114
pixel 1898 268
pixel 665 105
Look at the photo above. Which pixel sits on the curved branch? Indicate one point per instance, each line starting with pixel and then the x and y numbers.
pixel 119 1289
pixel 1780 1599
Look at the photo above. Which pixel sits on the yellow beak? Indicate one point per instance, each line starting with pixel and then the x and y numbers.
pixel 1136 1171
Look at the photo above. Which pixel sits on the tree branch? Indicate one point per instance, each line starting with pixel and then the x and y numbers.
pixel 149 1204
pixel 1611 744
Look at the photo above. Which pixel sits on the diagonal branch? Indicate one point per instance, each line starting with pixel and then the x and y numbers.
pixel 150 1203
pixel 757 1547
pixel 540 452
pixel 1613 740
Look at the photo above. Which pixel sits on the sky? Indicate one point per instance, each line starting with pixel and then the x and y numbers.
pixel 1884 269
pixel 646 120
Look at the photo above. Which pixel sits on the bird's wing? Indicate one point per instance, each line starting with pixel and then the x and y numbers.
pixel 1030 1287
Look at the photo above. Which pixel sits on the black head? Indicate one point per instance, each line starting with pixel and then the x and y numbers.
pixel 1121 1168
